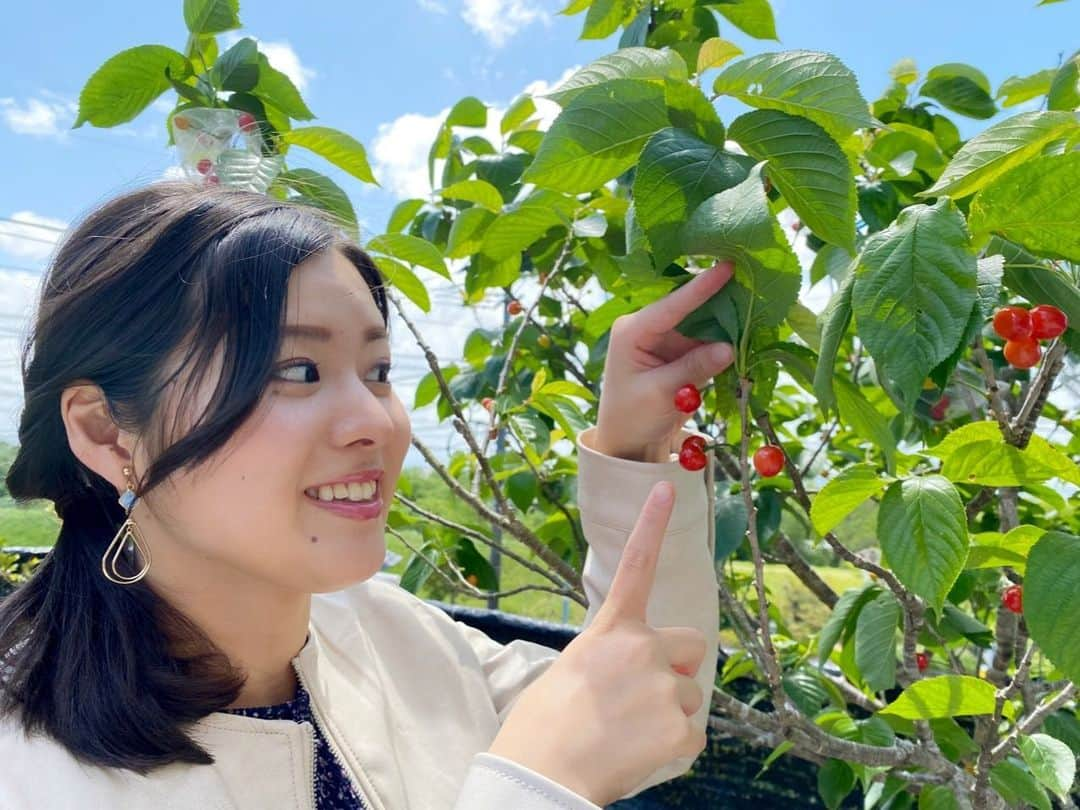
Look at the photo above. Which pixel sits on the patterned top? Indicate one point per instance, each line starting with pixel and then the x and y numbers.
pixel 333 791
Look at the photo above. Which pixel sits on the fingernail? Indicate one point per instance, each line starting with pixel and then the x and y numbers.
pixel 664 493
pixel 722 353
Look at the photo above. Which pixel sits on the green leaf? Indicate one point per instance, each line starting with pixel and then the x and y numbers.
pixel 1051 593
pixel 938 797
pixel 605 17
pixel 753 17
pixel 211 16
pixel 403 214
pixel 127 84
pixel 467 233
pixel 278 90
pixel 977 449
pixel 875 642
pixel 689 109
pixel 419 568
pixel 322 192
pixel 994 549
pixel 237 68
pixel 960 88
pixel 849 605
pixel 1017 785
pixel 475 191
pixel 598 135
pixel 1034 205
pixel 923 532
pixel 914 294
pixel 514 230
pixel 814 85
pixel 472 561
pixel 517 114
pixel 399 275
pixel 835 319
pixel 843 494
pixel 866 420
pixel 904 71
pixel 716 52
pixel 1065 88
pixel 469 112
pixel 645 64
pixel 808 167
pixel 410 249
pixel 1001 147
pixel 835 780
pixel 341 149
pixel 737 224
pixel 675 174
pixel 1018 89
pixel 522 488
pixel 1051 762
pixel 946 696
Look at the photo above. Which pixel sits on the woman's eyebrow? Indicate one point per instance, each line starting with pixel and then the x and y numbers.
pixel 321 333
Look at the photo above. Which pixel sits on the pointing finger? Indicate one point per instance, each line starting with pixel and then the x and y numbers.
pixel 633 581
pixel 665 314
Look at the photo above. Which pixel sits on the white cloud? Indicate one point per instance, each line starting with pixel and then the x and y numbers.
pixel 31 236
pixel 50 115
pixel 499 20
pixel 400 149
pixel 281 56
pixel 433 6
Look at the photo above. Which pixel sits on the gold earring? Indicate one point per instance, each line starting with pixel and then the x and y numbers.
pixel 126 538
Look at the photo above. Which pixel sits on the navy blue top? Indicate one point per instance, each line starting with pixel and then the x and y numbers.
pixel 333 790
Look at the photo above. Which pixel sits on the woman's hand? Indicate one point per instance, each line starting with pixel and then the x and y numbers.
pixel 647 362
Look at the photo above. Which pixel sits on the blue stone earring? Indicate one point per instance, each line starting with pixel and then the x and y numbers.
pixel 127 539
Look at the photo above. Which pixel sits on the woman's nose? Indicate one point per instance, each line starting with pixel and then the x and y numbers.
pixel 363 418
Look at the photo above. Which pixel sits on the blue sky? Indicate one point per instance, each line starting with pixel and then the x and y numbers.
pixel 384 71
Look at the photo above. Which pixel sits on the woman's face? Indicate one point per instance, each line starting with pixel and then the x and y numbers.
pixel 257 510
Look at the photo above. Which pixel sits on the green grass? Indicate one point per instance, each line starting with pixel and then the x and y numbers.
pixel 32 524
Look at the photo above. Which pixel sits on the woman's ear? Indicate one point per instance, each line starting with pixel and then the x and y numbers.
pixel 94 437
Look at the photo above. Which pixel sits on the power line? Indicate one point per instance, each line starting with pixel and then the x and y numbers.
pixel 25 238
pixel 33 225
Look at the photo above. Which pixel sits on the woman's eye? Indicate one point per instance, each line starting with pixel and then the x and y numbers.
pixel 379 373
pixel 308 372
pixel 303 376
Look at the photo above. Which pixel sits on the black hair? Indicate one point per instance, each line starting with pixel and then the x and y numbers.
pixel 139 298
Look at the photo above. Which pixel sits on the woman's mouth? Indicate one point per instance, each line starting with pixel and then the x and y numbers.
pixel 356 500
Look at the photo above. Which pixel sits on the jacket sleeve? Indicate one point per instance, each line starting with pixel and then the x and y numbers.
pixel 611 492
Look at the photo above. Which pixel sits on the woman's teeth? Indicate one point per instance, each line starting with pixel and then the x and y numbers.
pixel 344 492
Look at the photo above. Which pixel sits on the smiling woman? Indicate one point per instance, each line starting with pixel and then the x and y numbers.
pixel 213 637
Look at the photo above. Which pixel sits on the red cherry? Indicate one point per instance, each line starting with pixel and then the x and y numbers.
pixel 1047 322
pixel 796 226
pixel 695 441
pixel 922 661
pixel 1013 598
pixel 1023 353
pixel 1013 323
pixel 246 122
pixel 692 458
pixel 204 166
pixel 514 308
pixel 488 403
pixel 769 460
pixel 937 412
pixel 180 122
pixel 688 398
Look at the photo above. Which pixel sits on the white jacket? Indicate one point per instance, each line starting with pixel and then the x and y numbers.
pixel 409 699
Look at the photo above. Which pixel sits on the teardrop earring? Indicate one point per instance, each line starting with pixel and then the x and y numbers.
pixel 126 538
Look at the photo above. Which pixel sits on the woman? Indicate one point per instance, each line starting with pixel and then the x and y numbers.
pixel 219 360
